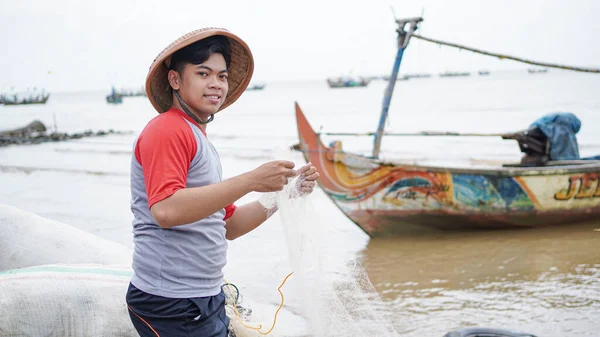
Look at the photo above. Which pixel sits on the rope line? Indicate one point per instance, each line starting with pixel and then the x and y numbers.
pixel 508 57
pixel 257 328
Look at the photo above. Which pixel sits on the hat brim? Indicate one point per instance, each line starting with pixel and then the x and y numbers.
pixel 239 71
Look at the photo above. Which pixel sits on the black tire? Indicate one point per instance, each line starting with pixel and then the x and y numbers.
pixel 486 332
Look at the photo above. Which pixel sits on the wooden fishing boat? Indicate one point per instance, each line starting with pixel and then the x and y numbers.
pixel 455 74
pixel 39 99
pixel 537 70
pixel 253 87
pixel 385 198
pixel 347 82
pixel 114 97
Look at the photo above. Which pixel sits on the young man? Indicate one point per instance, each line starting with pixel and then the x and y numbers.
pixel 183 211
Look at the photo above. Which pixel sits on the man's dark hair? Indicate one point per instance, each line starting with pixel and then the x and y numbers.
pixel 200 51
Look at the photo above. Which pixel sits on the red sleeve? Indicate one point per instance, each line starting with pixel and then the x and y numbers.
pixel 229 209
pixel 165 150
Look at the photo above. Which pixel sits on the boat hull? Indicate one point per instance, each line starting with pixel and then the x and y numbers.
pixel 385 199
pixel 393 223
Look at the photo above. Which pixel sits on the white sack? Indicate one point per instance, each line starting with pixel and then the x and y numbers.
pixel 65 301
pixel 27 239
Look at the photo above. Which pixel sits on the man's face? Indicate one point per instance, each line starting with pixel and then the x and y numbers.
pixel 204 86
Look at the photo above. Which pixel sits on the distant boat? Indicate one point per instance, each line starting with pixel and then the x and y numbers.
pixel 424 75
pixel 454 74
pixel 347 82
pixel 132 93
pixel 15 100
pixel 537 70
pixel 256 87
pixel 114 97
pixel 484 72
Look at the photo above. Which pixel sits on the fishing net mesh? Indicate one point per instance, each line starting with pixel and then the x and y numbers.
pixel 336 296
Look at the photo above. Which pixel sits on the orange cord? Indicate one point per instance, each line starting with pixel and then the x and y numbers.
pixel 260 325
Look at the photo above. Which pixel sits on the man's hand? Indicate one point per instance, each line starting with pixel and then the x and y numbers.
pixel 307 180
pixel 271 176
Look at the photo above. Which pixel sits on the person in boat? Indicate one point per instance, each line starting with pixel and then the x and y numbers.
pixel 183 212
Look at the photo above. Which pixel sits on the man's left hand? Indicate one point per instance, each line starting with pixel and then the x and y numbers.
pixel 307 180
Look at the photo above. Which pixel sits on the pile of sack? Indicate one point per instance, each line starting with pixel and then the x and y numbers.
pixel 56 280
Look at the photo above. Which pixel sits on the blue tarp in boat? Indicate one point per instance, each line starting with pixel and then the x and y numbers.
pixel 560 128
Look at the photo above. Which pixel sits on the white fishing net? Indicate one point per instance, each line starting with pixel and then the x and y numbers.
pixel 337 297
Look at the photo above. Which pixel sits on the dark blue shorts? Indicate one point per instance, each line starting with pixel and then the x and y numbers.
pixel 157 316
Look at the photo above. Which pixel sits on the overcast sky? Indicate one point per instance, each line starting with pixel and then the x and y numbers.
pixel 71 45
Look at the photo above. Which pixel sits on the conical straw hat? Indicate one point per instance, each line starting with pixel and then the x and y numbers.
pixel 239 71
